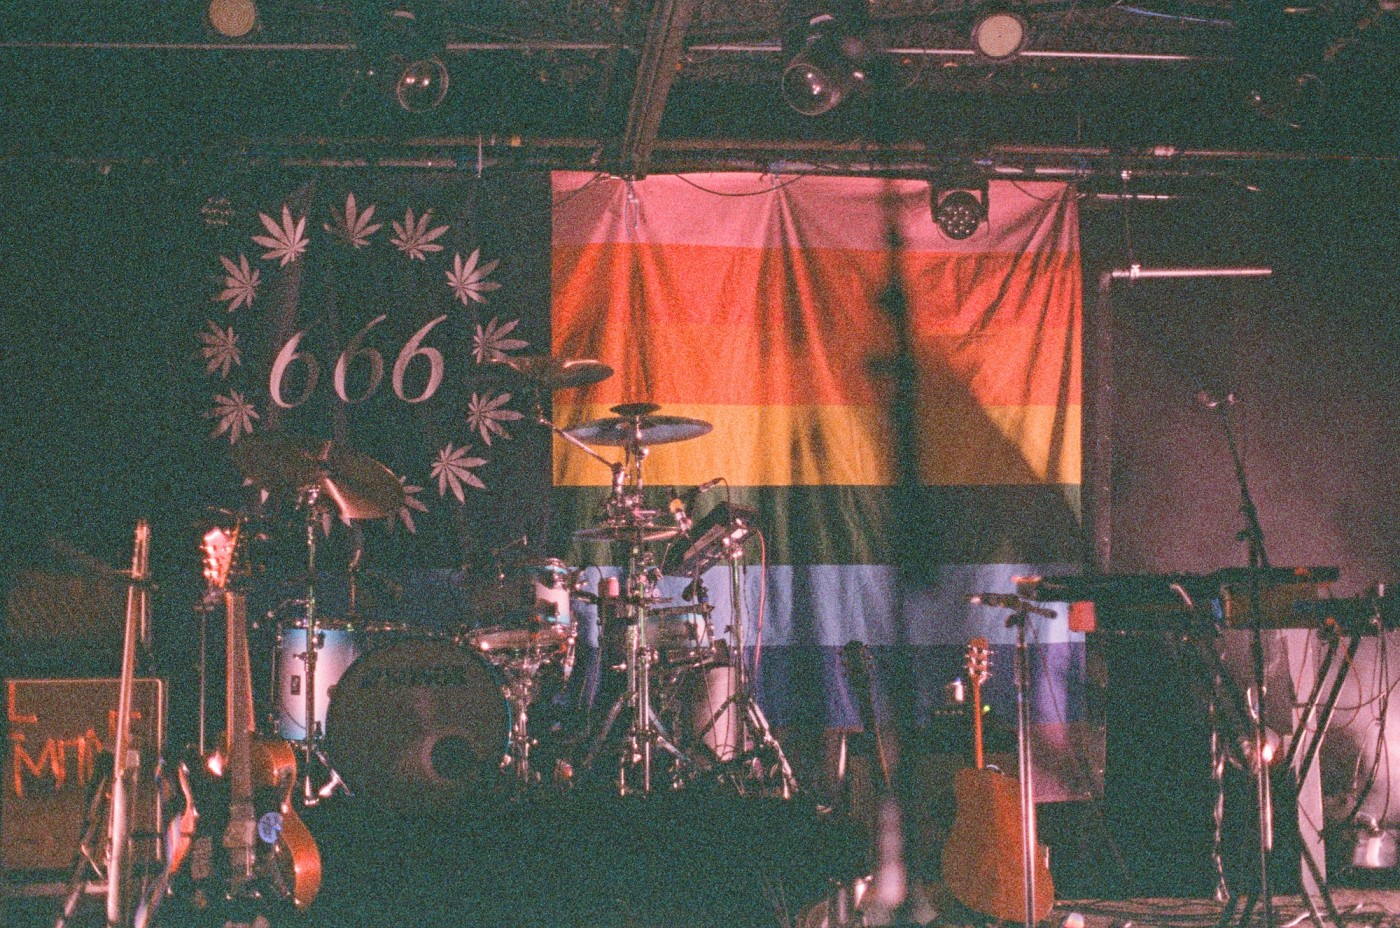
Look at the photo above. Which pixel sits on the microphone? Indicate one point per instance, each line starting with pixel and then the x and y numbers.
pixel 679 512
pixel 701 490
pixel 1211 400
pixel 1009 601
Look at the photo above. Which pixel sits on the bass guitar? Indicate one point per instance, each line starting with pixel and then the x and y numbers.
pixel 983 866
pixel 258 854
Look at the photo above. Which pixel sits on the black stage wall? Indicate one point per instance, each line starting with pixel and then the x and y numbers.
pixel 1311 355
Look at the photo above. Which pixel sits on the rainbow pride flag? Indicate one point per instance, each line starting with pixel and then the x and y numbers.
pixel 901 409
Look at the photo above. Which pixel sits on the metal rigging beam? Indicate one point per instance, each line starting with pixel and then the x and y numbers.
pixel 662 50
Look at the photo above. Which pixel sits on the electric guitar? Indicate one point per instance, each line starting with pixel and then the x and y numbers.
pixel 983 865
pixel 269 856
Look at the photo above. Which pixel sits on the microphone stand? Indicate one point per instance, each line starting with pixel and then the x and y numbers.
pixel 1253 535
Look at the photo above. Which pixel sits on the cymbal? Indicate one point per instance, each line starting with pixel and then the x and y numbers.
pixel 557 373
pixel 644 533
pixel 642 429
pixel 358 485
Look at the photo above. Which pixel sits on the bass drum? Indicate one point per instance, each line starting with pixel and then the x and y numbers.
pixel 420 726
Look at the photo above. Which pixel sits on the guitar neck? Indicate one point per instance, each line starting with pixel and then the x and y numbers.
pixel 242 825
pixel 978 755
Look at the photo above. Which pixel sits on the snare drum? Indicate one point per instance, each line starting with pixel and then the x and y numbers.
pixel 528 610
pixel 420 726
pixel 680 634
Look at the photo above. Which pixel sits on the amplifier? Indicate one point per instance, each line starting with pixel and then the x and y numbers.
pixel 56 731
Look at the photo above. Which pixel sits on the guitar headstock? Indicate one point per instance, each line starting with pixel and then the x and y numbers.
pixel 979 661
pixel 219 546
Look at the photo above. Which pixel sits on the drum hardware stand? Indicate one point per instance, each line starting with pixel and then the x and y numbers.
pixel 645 731
pixel 520 688
pixel 751 723
pixel 310 747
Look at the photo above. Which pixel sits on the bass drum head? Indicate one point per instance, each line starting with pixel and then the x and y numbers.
pixel 419 726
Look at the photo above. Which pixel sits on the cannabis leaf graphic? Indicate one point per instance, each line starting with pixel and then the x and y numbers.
pixel 469 281
pixel 490 343
pixel 410 503
pixel 220 349
pixel 415 239
pixel 352 227
pixel 486 413
pixel 235 415
pixel 240 284
pixel 286 241
pixel 453 468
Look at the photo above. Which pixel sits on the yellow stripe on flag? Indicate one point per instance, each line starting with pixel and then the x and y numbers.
pixel 840 446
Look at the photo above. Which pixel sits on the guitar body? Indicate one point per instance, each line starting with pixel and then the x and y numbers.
pixel 982 865
pixel 204 882
pixel 984 857
pixel 295 860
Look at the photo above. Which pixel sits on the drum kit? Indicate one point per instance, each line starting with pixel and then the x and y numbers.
pixel 423 719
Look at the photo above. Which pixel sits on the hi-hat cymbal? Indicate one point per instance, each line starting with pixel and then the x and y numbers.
pixel 358 485
pixel 557 373
pixel 631 533
pixel 643 430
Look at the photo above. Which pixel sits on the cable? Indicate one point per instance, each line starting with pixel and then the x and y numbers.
pixel 752 193
pixel 762 604
pixel 580 189
pixel 1172 16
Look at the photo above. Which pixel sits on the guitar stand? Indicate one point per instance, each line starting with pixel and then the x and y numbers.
pixel 87 858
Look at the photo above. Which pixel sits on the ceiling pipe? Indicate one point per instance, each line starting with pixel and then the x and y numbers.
pixel 765 48
pixel 561 45
pixel 677 156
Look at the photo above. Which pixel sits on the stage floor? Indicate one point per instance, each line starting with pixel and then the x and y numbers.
pixel 665 861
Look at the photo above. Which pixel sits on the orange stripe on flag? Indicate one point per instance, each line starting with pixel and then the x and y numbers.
pixel 749 333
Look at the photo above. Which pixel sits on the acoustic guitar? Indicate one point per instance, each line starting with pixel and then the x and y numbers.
pixel 982 859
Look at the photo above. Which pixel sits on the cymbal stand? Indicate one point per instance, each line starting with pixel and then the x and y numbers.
pixel 645 731
pixel 312 754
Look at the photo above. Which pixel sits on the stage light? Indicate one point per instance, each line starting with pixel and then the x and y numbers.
pixel 958 212
pixel 999 33
pixel 400 57
pixel 1273 743
pixel 421 84
pixel 233 19
pixel 828 62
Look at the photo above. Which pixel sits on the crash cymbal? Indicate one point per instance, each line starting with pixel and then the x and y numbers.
pixel 358 485
pixel 644 430
pixel 557 373
pixel 620 532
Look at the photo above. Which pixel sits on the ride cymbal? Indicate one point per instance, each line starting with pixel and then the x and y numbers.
pixel 642 430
